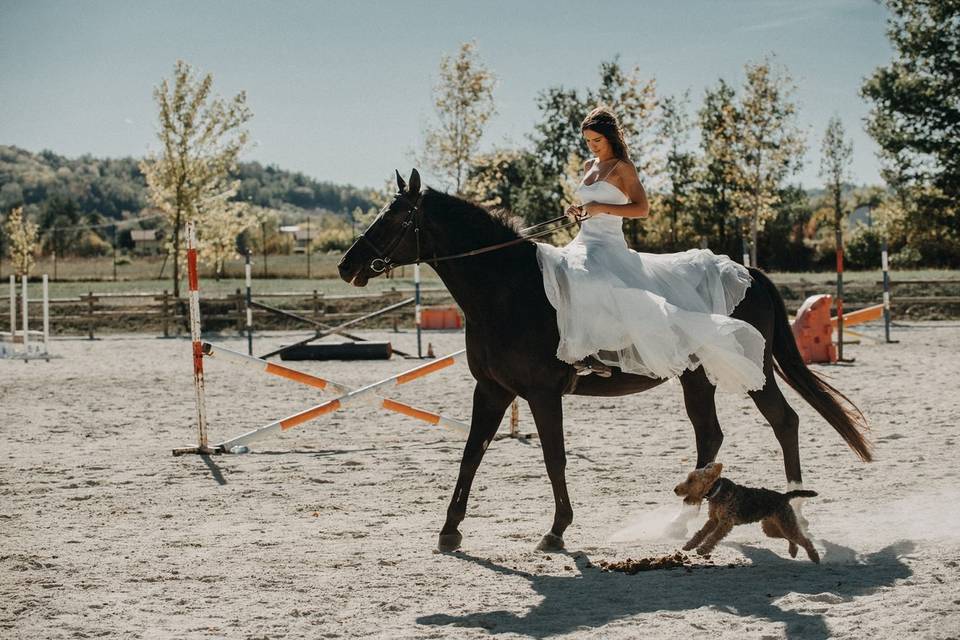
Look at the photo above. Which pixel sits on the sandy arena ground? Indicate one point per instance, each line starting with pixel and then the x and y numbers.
pixel 329 531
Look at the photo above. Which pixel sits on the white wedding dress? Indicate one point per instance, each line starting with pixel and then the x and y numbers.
pixel 655 315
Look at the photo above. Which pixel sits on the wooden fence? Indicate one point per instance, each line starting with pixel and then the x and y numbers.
pixel 93 312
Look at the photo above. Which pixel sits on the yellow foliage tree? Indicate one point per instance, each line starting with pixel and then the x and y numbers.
pixel 201 137
pixel 463 99
pixel 22 235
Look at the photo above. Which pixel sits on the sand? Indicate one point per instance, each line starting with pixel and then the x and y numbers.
pixel 329 530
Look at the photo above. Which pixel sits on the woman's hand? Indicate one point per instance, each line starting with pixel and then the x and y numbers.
pixel 589 210
pixel 574 212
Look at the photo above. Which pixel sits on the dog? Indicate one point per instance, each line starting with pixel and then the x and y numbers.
pixel 732 504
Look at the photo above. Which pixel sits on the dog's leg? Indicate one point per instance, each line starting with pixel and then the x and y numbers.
pixel 771 528
pixel 700 535
pixel 719 533
pixel 790 526
pixel 810 549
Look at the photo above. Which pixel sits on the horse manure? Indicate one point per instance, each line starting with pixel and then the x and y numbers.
pixel 630 566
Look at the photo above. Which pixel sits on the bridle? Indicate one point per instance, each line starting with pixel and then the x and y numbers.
pixel 384 259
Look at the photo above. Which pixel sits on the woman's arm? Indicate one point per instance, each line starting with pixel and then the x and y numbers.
pixel 629 182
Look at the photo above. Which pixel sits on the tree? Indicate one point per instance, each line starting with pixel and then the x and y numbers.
pixel 223 222
pixel 201 137
pixel 771 146
pixel 463 100
pixel 59 222
pixel 834 166
pixel 916 121
pixel 22 241
pixel 718 175
pixel 679 163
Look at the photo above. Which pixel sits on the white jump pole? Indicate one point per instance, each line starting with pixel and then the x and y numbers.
pixel 344 400
pixel 46 317
pixel 13 307
pixel 26 321
pixel 194 287
pixel 235 357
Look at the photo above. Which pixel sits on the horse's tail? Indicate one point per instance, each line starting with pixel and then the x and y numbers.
pixel 800 493
pixel 836 408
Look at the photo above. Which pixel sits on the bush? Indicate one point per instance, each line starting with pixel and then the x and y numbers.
pixel 863 248
pixel 91 245
pixel 906 258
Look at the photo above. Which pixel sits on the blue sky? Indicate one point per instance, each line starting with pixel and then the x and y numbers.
pixel 341 90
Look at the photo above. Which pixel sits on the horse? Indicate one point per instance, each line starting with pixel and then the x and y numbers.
pixel 512 337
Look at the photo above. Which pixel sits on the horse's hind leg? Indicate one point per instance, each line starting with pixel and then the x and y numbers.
pixel 548 414
pixel 490 402
pixel 784 421
pixel 698 398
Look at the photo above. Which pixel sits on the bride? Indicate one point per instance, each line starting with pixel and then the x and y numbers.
pixel 655 315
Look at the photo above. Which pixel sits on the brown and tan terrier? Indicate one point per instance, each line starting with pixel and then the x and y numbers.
pixel 731 504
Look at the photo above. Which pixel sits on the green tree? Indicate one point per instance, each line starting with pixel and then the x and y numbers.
pixel 837 154
pixel 770 145
pixel 719 172
pixel 201 136
pixel 463 101
pixel 679 164
pixel 916 121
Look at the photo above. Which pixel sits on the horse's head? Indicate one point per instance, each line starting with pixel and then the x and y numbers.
pixel 391 239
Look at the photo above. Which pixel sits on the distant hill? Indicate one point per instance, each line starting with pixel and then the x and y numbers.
pixel 111 186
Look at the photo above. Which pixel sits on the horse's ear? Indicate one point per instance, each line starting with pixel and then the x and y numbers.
pixel 401 185
pixel 414 182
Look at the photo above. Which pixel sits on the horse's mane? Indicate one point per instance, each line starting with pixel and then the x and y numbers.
pixel 475 221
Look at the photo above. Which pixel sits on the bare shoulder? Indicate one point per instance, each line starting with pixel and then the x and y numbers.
pixel 629 179
pixel 627 170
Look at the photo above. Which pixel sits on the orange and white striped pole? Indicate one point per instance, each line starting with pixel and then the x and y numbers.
pixel 352 397
pixel 235 357
pixel 194 303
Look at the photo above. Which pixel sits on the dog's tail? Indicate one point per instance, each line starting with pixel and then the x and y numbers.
pixel 836 408
pixel 800 493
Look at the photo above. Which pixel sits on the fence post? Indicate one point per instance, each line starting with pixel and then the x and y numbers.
pixel 166 314
pixel 241 320
pixel 90 320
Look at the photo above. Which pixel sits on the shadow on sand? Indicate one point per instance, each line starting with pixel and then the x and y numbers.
pixel 595 598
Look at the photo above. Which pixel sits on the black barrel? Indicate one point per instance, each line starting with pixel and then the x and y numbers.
pixel 339 351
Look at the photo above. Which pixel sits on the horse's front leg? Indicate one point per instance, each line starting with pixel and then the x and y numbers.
pixel 490 401
pixel 548 414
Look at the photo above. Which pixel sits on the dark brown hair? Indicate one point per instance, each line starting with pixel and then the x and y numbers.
pixel 603 121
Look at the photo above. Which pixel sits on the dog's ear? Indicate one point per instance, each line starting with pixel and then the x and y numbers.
pixel 714 467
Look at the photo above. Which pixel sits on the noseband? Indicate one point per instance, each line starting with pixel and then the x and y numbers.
pixel 384 259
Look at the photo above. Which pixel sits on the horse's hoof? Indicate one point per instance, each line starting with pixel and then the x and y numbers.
pixel 551 542
pixel 449 541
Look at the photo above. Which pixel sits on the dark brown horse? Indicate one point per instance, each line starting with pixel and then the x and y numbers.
pixel 512 338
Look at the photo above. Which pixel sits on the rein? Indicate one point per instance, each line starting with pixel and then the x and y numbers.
pixel 384 260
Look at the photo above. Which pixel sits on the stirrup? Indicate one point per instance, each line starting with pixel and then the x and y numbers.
pixel 591 365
